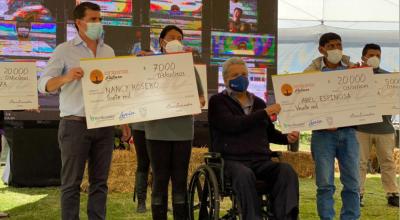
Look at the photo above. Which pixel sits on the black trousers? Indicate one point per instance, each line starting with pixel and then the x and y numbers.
pixel 142 157
pixel 282 183
pixel 78 144
pixel 169 160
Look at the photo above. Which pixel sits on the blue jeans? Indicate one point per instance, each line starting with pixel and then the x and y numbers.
pixel 325 146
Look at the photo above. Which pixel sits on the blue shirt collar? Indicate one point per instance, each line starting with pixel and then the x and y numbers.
pixel 78 40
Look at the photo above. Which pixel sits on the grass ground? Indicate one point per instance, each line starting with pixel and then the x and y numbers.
pixel 43 203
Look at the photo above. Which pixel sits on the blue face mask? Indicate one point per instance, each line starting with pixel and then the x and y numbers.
pixel 94 31
pixel 239 84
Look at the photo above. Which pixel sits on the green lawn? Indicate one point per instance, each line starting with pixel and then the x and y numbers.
pixel 43 203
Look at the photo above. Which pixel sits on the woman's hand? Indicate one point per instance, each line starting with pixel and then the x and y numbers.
pixel 202 101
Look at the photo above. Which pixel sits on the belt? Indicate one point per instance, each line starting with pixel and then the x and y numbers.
pixel 74 118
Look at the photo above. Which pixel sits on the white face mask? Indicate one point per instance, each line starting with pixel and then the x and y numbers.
pixel 373 62
pixel 94 30
pixel 174 46
pixel 334 56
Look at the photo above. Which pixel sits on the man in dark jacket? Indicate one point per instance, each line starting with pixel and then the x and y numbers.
pixel 241 131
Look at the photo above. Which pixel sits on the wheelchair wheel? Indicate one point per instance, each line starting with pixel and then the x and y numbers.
pixel 203 195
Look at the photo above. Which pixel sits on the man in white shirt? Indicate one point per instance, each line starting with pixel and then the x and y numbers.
pixel 77 143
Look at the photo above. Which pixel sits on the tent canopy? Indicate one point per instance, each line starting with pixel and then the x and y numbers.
pixel 358 22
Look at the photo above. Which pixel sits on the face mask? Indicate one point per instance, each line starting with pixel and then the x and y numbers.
pixel 94 30
pixel 334 56
pixel 239 84
pixel 373 62
pixel 174 46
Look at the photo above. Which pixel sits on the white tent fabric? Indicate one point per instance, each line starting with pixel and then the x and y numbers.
pixel 302 22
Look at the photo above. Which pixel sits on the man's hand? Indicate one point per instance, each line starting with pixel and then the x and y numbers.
pixel 293 136
pixel 126 132
pixel 202 101
pixel 73 74
pixel 273 109
pixel 33 110
pixel 144 53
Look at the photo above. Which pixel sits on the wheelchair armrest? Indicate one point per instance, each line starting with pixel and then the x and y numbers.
pixel 212 155
pixel 276 154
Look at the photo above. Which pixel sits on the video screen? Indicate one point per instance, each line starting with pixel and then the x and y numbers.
pixel 185 14
pixel 243 16
pixel 71 32
pixel 26 39
pixel 25 10
pixel 40 64
pixel 224 43
pixel 251 61
pixel 257 78
pixel 137 41
pixel 191 39
pixel 114 12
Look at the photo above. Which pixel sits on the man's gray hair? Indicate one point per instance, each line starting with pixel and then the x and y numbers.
pixel 228 63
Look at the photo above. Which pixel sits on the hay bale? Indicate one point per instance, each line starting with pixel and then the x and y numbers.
pixel 196 159
pixel 396 154
pixel 301 162
pixel 123 167
pixel 122 172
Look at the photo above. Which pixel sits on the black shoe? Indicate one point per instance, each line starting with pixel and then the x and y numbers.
pixel 141 206
pixel 361 201
pixel 393 200
pixel 140 191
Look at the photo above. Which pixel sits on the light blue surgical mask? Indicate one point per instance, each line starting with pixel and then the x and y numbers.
pixel 94 30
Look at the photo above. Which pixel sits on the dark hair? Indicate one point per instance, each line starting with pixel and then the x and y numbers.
pixel 325 38
pixel 80 10
pixel 239 9
pixel 167 29
pixel 370 47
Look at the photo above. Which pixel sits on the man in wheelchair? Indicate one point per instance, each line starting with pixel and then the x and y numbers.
pixel 241 131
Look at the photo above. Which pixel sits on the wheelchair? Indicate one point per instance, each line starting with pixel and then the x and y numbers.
pixel 209 186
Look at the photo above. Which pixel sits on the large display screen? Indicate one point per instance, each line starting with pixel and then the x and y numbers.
pixel 184 13
pixel 257 78
pixel 223 43
pixel 114 12
pixel 25 10
pixel 243 15
pixel 26 39
pixel 250 61
pixel 71 31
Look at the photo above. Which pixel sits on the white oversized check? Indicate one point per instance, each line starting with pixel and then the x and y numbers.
pixel 388 86
pixel 18 86
pixel 133 89
pixel 320 100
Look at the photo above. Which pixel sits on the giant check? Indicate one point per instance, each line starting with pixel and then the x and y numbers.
pixel 18 86
pixel 134 89
pixel 323 100
pixel 388 86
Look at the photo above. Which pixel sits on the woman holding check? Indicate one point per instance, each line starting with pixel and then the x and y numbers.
pixel 169 143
